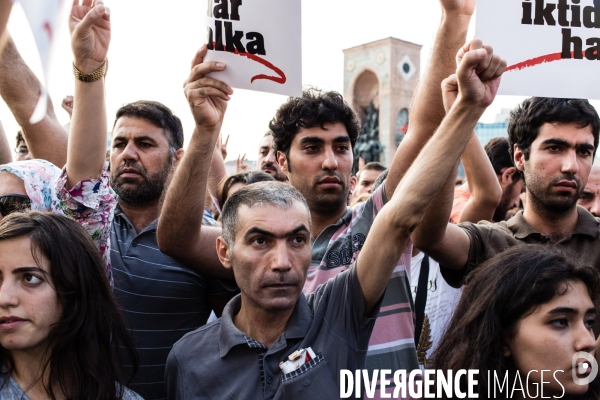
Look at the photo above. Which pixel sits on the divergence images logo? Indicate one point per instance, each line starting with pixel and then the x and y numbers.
pixel 582 367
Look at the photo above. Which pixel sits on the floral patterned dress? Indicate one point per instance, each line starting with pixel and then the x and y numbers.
pixel 90 202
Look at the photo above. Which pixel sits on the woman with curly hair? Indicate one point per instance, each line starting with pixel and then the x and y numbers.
pixel 528 309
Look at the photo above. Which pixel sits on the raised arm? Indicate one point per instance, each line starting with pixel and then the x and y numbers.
pixel 446 243
pixel 485 189
pixel 5 151
pixel 395 222
pixel 180 232
pixel 90 37
pixel 486 192
pixel 21 90
pixel 427 110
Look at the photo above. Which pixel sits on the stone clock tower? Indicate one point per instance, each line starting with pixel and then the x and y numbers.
pixel 385 73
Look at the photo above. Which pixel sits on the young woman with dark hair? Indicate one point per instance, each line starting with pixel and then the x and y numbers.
pixel 59 323
pixel 528 309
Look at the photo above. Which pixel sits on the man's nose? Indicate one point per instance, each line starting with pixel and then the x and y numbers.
pixel 570 163
pixel 330 161
pixel 130 152
pixel 281 260
pixel 270 158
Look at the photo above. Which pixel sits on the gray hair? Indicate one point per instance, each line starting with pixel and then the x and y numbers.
pixel 257 195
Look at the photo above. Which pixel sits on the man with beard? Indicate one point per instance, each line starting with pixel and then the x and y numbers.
pixel 266 158
pixel 313 137
pixel 267 232
pixel 163 299
pixel 553 142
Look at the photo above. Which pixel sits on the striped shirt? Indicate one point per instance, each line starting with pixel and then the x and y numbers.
pixel 163 300
pixel 392 343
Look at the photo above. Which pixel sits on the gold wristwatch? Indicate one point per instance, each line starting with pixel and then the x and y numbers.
pixel 94 76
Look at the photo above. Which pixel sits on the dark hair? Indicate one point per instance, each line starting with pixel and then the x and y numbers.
pixel 260 194
pixel 20 137
pixel 372 166
pixel 247 178
pixel 380 179
pixel 81 358
pixel 157 114
pixel 314 108
pixel 497 150
pixel 527 119
pixel 497 295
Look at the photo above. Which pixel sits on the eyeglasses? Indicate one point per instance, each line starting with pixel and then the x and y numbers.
pixel 10 203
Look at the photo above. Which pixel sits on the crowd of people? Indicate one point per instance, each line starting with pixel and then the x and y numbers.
pixel 149 272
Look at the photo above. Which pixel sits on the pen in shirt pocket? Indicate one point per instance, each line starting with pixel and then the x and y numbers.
pixel 297 359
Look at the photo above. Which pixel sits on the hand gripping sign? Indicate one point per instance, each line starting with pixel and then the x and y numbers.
pixel 259 41
pixel 552 46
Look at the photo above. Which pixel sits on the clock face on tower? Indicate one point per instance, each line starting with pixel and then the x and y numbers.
pixel 406 68
pixel 401 125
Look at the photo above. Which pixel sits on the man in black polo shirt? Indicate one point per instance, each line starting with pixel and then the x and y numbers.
pixel 267 243
pixel 553 141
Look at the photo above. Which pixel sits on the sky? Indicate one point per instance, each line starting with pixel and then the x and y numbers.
pixel 153 43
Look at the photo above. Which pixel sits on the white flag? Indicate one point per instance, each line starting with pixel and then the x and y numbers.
pixel 43 17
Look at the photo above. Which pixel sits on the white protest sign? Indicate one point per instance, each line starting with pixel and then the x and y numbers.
pixel 552 47
pixel 260 43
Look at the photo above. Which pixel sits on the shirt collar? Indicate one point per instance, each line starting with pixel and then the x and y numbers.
pixel 347 218
pixel 587 225
pixel 230 336
pixel 118 213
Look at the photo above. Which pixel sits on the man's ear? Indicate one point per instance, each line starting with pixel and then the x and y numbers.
pixel 282 161
pixel 352 183
pixel 507 175
pixel 519 158
pixel 177 157
pixel 223 252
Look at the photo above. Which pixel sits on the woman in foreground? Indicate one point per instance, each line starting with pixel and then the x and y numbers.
pixel 526 310
pixel 59 322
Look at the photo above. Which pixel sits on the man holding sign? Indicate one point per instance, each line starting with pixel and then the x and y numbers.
pixel 321 170
pixel 302 341
pixel 260 41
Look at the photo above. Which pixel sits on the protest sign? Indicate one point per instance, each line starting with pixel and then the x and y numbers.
pixel 552 47
pixel 260 43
